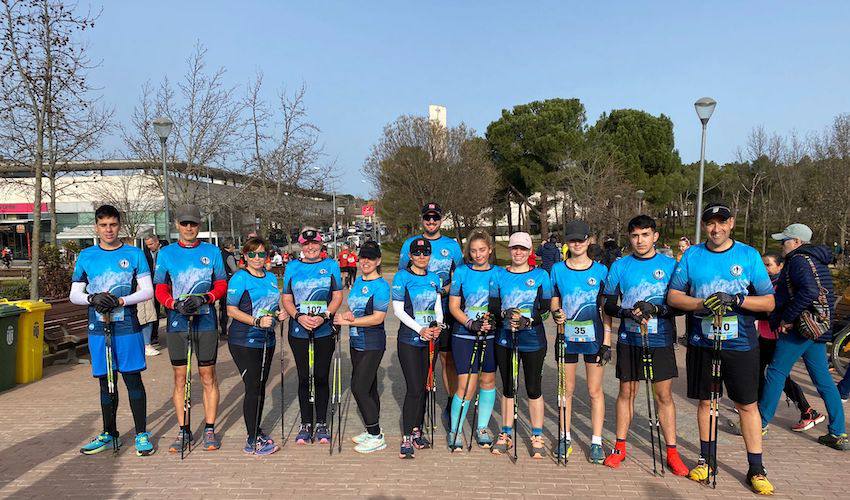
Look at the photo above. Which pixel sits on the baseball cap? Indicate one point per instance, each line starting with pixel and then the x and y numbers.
pixel 520 239
pixel 432 208
pixel 576 230
pixel 716 211
pixel 309 234
pixel 420 246
pixel 370 250
pixel 799 231
pixel 188 213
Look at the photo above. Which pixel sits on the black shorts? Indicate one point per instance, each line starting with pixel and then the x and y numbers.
pixel 630 363
pixel 204 347
pixel 462 353
pixel 444 342
pixel 739 371
pixel 573 358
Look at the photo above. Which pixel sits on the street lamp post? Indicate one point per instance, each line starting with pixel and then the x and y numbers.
pixel 162 127
pixel 704 107
pixel 640 193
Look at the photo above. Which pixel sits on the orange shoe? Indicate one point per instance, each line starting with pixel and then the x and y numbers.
pixel 615 458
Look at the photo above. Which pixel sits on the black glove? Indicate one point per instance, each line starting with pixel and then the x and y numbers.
pixel 603 355
pixel 629 313
pixel 559 316
pixel 721 302
pixel 647 309
pixel 521 323
pixel 190 305
pixel 103 302
pixel 475 326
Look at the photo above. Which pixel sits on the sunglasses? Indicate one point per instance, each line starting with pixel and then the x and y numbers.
pixel 431 218
pixel 252 255
pixel 420 253
pixel 188 224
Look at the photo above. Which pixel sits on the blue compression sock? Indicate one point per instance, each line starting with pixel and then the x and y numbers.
pixel 457 402
pixel 486 402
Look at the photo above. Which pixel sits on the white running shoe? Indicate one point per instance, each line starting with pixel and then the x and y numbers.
pixel 151 351
pixel 371 444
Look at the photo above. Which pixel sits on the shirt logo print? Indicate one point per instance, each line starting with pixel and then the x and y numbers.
pixel 364 289
pixel 124 263
pixel 323 271
pixel 591 281
pixel 444 252
pixel 205 260
pixel 530 282
pixel 736 270
pixel 658 274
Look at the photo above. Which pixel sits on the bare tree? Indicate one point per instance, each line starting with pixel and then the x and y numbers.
pixel 42 70
pixel 131 196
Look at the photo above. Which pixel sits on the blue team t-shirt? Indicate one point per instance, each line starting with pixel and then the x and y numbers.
pixel 738 269
pixel 311 285
pixel 446 256
pixel 258 297
pixel 419 295
pixel 366 298
pixel 475 289
pixel 635 279
pixel 527 292
pixel 190 271
pixel 579 291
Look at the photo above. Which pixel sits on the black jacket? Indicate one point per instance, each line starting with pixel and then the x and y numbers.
pixel 804 289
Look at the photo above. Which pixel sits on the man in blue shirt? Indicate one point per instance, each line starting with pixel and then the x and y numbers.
pixel 446 256
pixel 725 278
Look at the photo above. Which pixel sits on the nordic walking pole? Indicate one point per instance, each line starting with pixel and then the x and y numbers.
pixel 515 382
pixel 429 386
pixel 482 347
pixel 110 375
pixel 649 378
pixel 336 393
pixel 714 402
pixel 282 369
pixel 261 382
pixel 311 381
pixel 463 401
pixel 339 392
pixel 187 390
pixel 562 408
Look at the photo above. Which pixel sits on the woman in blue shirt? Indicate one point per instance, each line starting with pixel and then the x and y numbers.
pixel 254 304
pixel 417 304
pixel 472 292
pixel 368 302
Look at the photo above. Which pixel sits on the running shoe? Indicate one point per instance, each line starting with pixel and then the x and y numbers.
pixel 363 436
pixel 151 350
pixel 304 436
pixel 484 438
pixel 759 483
pixel 538 449
pixel 144 447
pixel 259 447
pixel 181 442
pixel 700 472
pixel 322 435
pixel 100 443
pixel 503 444
pixel 837 442
pixel 597 454
pixel 211 441
pixel 808 419
pixel 675 464
pixel 265 437
pixel 454 441
pixel 616 458
pixel 564 449
pixel 419 440
pixel 407 449
pixel 371 444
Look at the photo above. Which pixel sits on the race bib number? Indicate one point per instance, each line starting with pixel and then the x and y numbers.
pixel 425 318
pixel 116 315
pixel 728 329
pixel 580 331
pixel 476 312
pixel 633 326
pixel 313 307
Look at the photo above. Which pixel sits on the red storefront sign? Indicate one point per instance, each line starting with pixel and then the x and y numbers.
pixel 20 208
pixel 367 210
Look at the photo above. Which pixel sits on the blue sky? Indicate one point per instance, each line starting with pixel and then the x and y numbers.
pixel 778 64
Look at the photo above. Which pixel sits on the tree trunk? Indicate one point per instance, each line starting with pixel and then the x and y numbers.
pixel 510 214
pixel 544 215
pixel 53 218
pixel 36 211
pixel 457 230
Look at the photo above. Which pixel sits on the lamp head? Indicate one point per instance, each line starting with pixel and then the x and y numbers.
pixel 705 107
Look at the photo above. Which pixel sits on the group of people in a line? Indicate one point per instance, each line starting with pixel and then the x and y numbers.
pixel 458 309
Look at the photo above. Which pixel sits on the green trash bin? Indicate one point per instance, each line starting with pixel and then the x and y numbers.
pixel 8 344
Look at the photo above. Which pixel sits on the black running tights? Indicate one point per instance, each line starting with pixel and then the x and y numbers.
pixel 364 386
pixel 323 350
pixel 249 361
pixel 109 402
pixel 414 365
pixel 532 368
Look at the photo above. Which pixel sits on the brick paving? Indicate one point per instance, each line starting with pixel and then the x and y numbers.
pixel 43 424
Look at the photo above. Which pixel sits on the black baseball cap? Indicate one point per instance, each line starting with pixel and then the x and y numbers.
pixel 576 230
pixel 432 208
pixel 716 211
pixel 420 245
pixel 370 250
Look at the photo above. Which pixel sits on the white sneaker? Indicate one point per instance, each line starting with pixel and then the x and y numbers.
pixel 371 444
pixel 363 436
pixel 151 351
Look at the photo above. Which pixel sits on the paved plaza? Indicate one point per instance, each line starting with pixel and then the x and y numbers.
pixel 43 424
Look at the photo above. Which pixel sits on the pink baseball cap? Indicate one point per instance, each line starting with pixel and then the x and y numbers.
pixel 309 234
pixel 520 239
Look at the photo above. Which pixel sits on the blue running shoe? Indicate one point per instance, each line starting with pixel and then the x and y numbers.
pixel 407 449
pixel 265 437
pixel 322 435
pixel 144 447
pixel 564 449
pixel 484 438
pixel 304 435
pixel 419 440
pixel 597 455
pixel 260 447
pixel 211 442
pixel 454 441
pixel 100 443
pixel 184 440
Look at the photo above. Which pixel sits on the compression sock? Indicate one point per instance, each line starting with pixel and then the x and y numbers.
pixel 108 407
pixel 486 401
pixel 138 400
pixel 457 404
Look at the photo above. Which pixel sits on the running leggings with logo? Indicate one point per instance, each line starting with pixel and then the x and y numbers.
pixel 364 386
pixel 109 403
pixel 323 350
pixel 248 361
pixel 532 368
pixel 414 364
